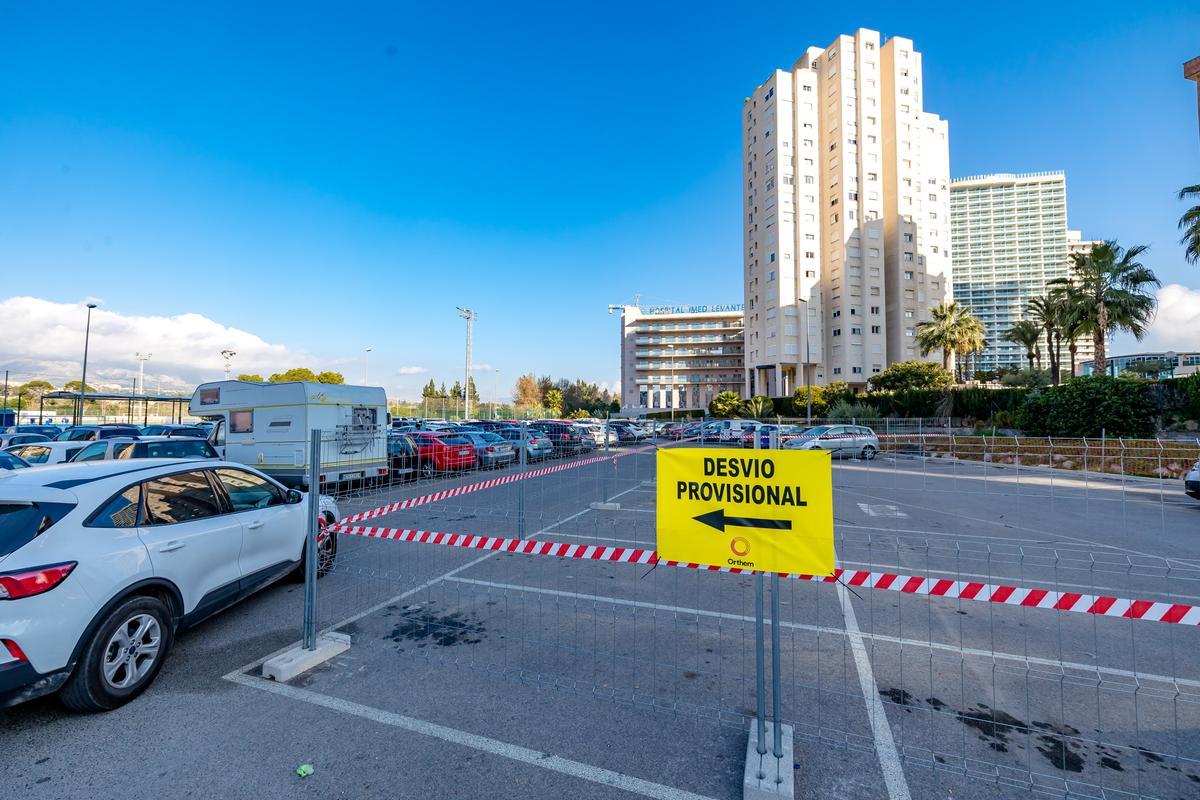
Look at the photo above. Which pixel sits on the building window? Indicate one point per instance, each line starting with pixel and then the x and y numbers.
pixel 908 237
pixel 855 331
pixel 908 331
pixel 874 329
pixel 837 370
pixel 772 258
pixel 856 370
pixel 874 309
pixel 837 331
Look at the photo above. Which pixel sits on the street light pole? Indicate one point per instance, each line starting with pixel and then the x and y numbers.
pixel 496 395
pixel 367 365
pixel 671 355
pixel 87 335
pixel 470 316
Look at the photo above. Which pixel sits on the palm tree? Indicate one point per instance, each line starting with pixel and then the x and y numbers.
pixel 951 329
pixel 1189 223
pixel 1027 334
pixel 1045 313
pixel 1073 323
pixel 1113 293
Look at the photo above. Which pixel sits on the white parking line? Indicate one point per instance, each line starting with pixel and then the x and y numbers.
pixel 484 744
pixel 885 744
pixel 993 655
pixel 397 598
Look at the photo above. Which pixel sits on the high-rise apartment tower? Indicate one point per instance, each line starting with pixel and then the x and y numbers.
pixel 846 215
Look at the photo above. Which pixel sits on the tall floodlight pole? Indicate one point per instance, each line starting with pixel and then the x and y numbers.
pixel 470 316
pixel 87 334
pixel 228 356
pixel 367 364
pixel 496 394
pixel 142 358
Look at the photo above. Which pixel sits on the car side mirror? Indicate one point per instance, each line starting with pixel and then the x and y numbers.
pixel 294 496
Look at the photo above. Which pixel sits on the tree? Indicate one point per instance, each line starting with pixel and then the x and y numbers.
pixel 330 377
pixel 907 376
pixel 429 391
pixel 759 407
pixel 30 393
pixel 800 402
pixel 952 329
pixel 1027 334
pixel 527 392
pixel 251 377
pixel 1189 223
pixel 73 386
pixel 554 402
pixel 1045 312
pixel 1072 321
pixel 726 404
pixel 1113 293
pixel 471 391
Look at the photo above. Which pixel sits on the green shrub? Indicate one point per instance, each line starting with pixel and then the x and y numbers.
pixel 759 407
pixel 726 405
pixel 1089 406
pixel 800 402
pixel 912 375
pixel 843 410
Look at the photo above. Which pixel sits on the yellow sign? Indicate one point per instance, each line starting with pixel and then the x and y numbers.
pixel 769 510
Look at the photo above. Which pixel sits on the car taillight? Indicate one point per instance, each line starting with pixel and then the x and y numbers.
pixel 491 449
pixel 30 582
pixel 14 649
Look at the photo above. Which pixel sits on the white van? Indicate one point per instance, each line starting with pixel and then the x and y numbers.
pixel 268 425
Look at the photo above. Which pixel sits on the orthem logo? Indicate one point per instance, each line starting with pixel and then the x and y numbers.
pixel 739 546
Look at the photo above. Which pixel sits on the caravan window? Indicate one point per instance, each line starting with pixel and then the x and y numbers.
pixel 241 421
pixel 363 417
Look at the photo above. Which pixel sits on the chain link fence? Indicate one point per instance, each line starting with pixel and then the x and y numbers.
pixel 1019 613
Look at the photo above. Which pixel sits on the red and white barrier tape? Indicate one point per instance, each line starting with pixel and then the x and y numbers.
pixel 503 480
pixel 1099 605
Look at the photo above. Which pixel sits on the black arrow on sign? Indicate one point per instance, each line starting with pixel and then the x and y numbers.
pixel 717 519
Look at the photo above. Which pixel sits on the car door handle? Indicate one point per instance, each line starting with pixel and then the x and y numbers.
pixel 174 544
pixel 254 525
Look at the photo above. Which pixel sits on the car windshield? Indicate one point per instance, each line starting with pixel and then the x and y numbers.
pixel 817 431
pixel 9 461
pixel 21 523
pixel 454 441
pixel 491 437
pixel 197 432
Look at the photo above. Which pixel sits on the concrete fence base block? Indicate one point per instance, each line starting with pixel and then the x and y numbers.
pixel 776 782
pixel 296 661
pixel 606 506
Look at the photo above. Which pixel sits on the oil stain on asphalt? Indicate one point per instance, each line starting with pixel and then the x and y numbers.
pixel 424 626
pixel 1058 743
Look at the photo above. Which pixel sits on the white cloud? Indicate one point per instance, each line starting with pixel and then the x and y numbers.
pixel 412 371
pixel 481 367
pixel 45 339
pixel 1176 326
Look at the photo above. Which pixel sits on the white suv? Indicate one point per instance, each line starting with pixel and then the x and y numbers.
pixel 101 563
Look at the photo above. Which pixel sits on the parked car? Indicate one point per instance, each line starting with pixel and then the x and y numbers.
pixel 566 438
pixel 103 574
pixel 490 425
pixel 853 441
pixel 11 439
pixel 537 444
pixel 9 461
pixel 90 433
pixel 45 453
pixel 763 432
pixel 443 451
pixel 1191 482
pixel 403 461
pixel 49 431
pixel 195 431
pixel 492 450
pixel 147 447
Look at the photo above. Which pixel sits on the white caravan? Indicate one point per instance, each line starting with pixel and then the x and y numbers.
pixel 268 426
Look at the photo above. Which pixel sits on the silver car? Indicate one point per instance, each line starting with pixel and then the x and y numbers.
pixel 843 441
pixel 1191 482
pixel 147 447
pixel 537 444
pixel 491 450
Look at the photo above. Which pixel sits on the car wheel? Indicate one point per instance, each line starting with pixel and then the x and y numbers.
pixel 326 550
pixel 868 452
pixel 123 656
pixel 428 469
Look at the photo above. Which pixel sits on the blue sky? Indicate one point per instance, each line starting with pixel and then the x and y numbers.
pixel 329 180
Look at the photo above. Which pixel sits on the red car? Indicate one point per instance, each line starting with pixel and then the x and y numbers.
pixel 442 452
